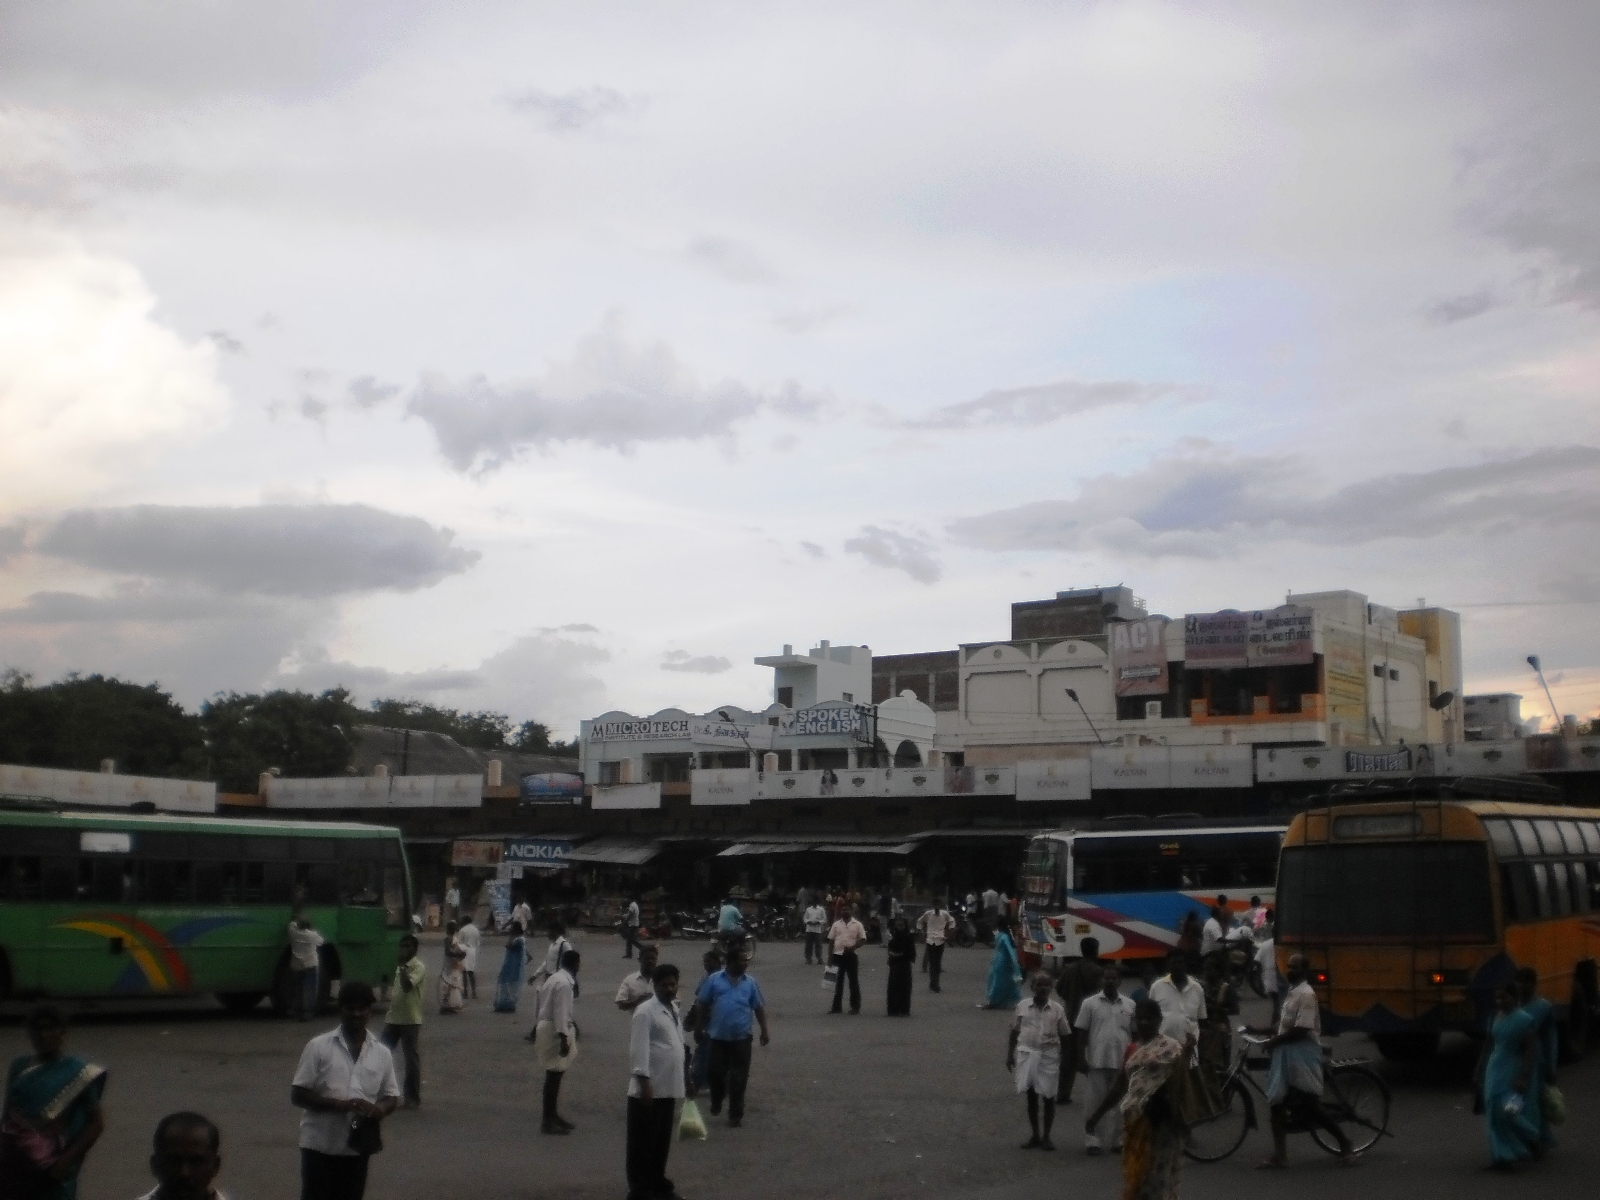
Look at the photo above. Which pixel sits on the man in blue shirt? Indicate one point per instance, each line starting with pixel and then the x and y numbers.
pixel 724 1006
pixel 729 918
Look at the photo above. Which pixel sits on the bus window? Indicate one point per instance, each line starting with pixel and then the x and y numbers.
pixel 1559 897
pixel 183 883
pixel 359 884
pixel 1579 881
pixel 311 850
pixel 1541 888
pixel 158 882
pixel 394 899
pixel 1516 891
pixel 25 878
pixel 255 883
pixel 1526 838
pixel 268 849
pixel 232 882
pixel 279 885
pixel 208 883
pixel 58 879
pixel 1572 836
pixel 1434 889
pixel 1505 842
pixel 321 885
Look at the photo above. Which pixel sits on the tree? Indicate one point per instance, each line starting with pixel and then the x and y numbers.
pixel 480 730
pixel 76 722
pixel 533 737
pixel 304 736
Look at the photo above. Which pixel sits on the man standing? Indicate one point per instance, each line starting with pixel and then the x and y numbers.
pixel 724 1007
pixel 403 1026
pixel 1182 1001
pixel 452 900
pixel 847 933
pixel 344 1076
pixel 523 915
pixel 1104 1030
pixel 1215 932
pixel 1079 981
pixel 559 945
pixel 469 938
pixel 639 987
pixel 655 1085
pixel 630 927
pixel 555 1038
pixel 304 942
pixel 816 920
pixel 1033 1056
pixel 185 1158
pixel 937 925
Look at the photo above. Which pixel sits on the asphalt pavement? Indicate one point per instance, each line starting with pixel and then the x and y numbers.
pixel 839 1106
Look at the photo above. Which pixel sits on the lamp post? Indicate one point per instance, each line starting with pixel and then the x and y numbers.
pixel 1555 715
pixel 754 762
pixel 1073 696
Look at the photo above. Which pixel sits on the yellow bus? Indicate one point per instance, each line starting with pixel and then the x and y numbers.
pixel 1413 911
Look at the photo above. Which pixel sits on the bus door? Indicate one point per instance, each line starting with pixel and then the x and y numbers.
pixel 362 919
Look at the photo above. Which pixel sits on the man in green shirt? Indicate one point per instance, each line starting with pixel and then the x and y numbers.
pixel 404 1021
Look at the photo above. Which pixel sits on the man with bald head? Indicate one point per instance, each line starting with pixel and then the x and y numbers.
pixel 185 1158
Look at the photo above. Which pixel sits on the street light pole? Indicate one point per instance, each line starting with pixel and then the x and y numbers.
pixel 1073 696
pixel 754 762
pixel 1555 714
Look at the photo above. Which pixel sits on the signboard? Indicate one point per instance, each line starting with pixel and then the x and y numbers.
pixel 1219 640
pixel 101 790
pixel 847 721
pixel 1139 657
pixel 469 853
pixel 1344 660
pixel 1117 768
pixel 796 785
pixel 640 729
pixel 550 788
pixel 1212 766
pixel 730 735
pixel 1281 636
pixel 1058 779
pixel 537 851
pixel 377 791
pixel 734 785
pixel 626 795
pixel 980 781
pixel 1377 762
pixel 498 893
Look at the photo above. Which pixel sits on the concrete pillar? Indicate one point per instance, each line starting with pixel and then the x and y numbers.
pixel 494 772
pixel 381 771
pixel 108 766
pixel 769 762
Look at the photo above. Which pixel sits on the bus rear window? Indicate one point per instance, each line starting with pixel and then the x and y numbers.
pixel 1399 890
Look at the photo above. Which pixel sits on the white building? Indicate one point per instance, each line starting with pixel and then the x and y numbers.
pixel 826 672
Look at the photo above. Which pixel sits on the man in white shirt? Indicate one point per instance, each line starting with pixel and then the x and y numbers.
pixel 1182 1001
pixel 1033 1056
pixel 1267 960
pixel 524 915
pixel 555 1039
pixel 630 927
pixel 185 1158
pixel 559 945
pixel 452 901
pixel 1105 1029
pixel 816 920
pixel 1215 931
pixel 846 934
pixel 304 943
pixel 1294 1084
pixel 640 986
pixel 937 925
pixel 469 938
pixel 655 1086
pixel 343 1074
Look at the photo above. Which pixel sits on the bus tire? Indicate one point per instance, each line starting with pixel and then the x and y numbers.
pixel 1576 1033
pixel 1415 1046
pixel 240 1003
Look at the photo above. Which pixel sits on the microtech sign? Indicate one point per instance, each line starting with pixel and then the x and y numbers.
pixel 641 729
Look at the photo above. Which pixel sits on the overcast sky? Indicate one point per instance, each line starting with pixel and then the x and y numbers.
pixel 563 358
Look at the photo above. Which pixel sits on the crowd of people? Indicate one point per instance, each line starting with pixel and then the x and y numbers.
pixel 1149 1061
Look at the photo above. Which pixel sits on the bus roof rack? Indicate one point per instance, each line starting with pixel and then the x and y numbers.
pixel 1177 816
pixel 1527 789
pixel 30 804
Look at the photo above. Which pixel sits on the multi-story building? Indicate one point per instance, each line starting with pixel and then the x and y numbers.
pixel 1494 717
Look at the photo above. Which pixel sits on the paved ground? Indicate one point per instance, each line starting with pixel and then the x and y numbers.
pixel 862 1107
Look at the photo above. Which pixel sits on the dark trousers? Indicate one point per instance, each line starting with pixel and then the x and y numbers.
pixel 729 1069
pixel 405 1036
pixel 332 1176
pixel 552 1097
pixel 650 1132
pixel 304 992
pixel 934 957
pixel 849 968
pixel 814 947
pixel 630 939
pixel 469 990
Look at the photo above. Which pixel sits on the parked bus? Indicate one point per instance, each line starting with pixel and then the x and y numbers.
pixel 119 905
pixel 1414 911
pixel 1131 888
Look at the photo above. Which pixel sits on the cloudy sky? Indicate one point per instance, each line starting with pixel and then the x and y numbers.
pixel 561 358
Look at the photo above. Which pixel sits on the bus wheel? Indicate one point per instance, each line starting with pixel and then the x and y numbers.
pixel 1406 1047
pixel 240 1002
pixel 1577 1031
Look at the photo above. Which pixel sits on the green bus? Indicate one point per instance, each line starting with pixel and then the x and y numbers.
pixel 117 905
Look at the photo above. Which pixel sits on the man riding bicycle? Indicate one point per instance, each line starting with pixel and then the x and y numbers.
pixel 731 931
pixel 1294 1086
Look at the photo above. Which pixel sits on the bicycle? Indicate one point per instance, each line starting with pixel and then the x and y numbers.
pixel 1353 1094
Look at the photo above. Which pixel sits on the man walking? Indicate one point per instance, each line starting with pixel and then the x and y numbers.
pixel 639 987
pixel 1079 981
pixel 724 1007
pixel 1104 1030
pixel 937 926
pixel 185 1158
pixel 403 1027
pixel 469 938
pixel 304 943
pixel 847 933
pixel 556 1038
pixel 816 920
pixel 1033 1056
pixel 655 1085
pixel 1182 1001
pixel 345 1076
pixel 523 915
pixel 630 927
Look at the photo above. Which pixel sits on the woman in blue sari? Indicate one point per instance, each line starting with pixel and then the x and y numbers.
pixel 52 1115
pixel 1005 972
pixel 509 986
pixel 1544 1023
pixel 1509 1082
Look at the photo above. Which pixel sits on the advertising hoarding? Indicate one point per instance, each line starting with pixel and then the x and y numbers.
pixel 550 787
pixel 825 721
pixel 1139 657
pixel 1216 641
pixel 1057 779
pixel 1281 636
pixel 626 796
pixel 733 785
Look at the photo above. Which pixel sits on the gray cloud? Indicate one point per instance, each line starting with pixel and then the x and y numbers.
pixel 568 112
pixel 733 260
pixel 1205 503
pixel 1462 308
pixel 806 320
pixel 137 603
pixel 311 550
pixel 612 393
pixel 814 550
pixel 225 341
pixel 367 391
pixel 1040 404
pixel 706 664
pixel 898 552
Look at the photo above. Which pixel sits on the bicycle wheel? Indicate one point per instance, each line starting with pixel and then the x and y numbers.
pixel 1213 1140
pixel 1358 1099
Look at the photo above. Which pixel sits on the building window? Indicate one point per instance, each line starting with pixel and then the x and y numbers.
pixel 786 697
pixel 847 697
pixel 610 773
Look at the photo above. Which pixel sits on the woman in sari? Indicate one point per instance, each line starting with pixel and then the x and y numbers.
pixel 902 954
pixel 1152 1139
pixel 52 1115
pixel 509 986
pixel 453 979
pixel 1544 1021
pixel 1509 1083
pixel 1005 973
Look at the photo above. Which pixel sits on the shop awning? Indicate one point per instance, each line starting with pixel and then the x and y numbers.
pixel 626 852
pixel 740 849
pixel 866 848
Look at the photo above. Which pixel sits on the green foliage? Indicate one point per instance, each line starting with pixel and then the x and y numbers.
pixel 480 730
pixel 76 722
pixel 304 736
pixel 533 737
